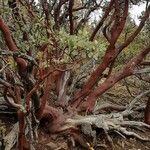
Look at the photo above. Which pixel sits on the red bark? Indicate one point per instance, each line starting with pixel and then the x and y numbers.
pixel 136 32
pixel 22 141
pixel 108 83
pixel 87 87
pixel 54 117
pixel 111 54
pixel 51 79
pixel 22 64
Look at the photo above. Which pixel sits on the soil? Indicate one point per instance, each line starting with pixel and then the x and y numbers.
pixel 117 95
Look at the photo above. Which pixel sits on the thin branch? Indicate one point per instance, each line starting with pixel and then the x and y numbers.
pixel 101 22
pixel 130 106
pixel 71 3
pixel 5 83
pixel 119 22
pixel 145 70
pixel 19 55
pixel 3 69
pixel 136 32
pixel 128 89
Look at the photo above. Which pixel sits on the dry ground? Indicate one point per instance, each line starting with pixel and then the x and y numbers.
pixel 117 95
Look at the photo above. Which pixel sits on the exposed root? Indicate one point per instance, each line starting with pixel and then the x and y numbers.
pixel 108 106
pixel 80 139
pixel 109 139
pixel 109 122
pixel 116 122
pixel 129 133
pixel 11 138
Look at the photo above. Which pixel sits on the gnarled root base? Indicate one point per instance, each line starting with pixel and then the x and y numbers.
pixel 79 127
pixel 54 118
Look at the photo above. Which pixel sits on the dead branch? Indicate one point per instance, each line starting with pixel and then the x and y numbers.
pixel 109 122
pixel 145 70
pixel 11 138
pixel 128 89
pixel 130 106
pixel 107 106
pixel 4 67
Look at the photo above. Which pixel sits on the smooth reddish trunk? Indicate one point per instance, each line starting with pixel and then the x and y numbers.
pixel 22 141
pixel 125 72
pixel 107 84
pixel 108 58
pixel 111 52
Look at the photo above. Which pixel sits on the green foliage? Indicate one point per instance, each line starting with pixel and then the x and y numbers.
pixel 135 47
pixel 79 46
pixel 72 48
pixel 34 27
